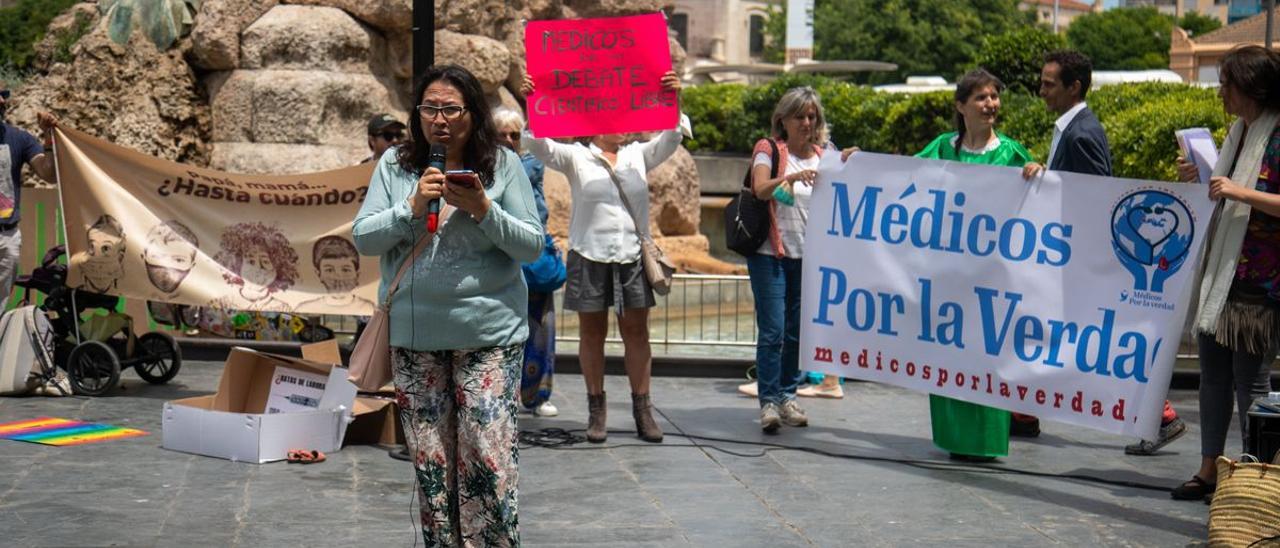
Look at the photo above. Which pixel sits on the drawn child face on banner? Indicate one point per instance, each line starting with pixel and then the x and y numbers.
pixel 170 254
pixel 259 258
pixel 103 262
pixel 337 264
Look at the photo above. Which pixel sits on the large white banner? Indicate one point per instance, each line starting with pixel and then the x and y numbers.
pixel 1063 298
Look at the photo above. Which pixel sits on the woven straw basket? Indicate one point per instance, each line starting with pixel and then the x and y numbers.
pixel 1246 505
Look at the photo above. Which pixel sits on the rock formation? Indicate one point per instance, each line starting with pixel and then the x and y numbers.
pixel 131 94
pixel 306 83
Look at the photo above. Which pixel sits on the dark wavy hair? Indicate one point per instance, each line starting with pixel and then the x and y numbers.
pixel 972 81
pixel 240 238
pixel 1073 66
pixel 481 152
pixel 1255 72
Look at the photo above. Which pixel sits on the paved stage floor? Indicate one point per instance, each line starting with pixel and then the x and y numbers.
pixel 626 493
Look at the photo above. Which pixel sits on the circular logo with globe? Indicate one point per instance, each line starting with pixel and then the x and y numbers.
pixel 1152 232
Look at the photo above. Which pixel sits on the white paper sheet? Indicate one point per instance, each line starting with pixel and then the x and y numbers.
pixel 293 390
pixel 1198 147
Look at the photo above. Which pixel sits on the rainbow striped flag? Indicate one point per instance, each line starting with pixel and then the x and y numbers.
pixel 62 432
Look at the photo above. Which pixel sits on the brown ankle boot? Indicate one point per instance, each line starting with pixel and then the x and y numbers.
pixel 642 410
pixel 596 429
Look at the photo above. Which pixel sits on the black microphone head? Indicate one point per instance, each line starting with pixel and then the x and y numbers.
pixel 436 158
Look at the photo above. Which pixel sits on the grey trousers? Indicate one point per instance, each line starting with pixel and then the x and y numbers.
pixel 1224 373
pixel 10 247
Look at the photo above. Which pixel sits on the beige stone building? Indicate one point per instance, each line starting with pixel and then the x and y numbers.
pixel 1068 10
pixel 1227 11
pixel 726 32
pixel 1196 59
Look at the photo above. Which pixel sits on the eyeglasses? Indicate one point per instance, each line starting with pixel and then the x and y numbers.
pixel 513 135
pixel 391 135
pixel 450 112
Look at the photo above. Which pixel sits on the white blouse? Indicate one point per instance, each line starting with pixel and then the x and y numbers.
pixel 600 228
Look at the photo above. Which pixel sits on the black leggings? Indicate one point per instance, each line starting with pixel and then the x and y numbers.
pixel 1222 372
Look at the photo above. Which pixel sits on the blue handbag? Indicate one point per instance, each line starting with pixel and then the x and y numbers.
pixel 547 273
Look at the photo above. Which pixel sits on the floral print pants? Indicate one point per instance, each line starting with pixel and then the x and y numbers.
pixel 459 413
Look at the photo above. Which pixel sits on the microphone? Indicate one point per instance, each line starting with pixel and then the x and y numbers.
pixel 436 160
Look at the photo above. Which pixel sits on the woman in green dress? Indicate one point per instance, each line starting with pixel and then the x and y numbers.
pixel 969 431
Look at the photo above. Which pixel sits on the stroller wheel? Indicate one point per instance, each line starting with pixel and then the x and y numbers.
pixel 160 358
pixel 93 368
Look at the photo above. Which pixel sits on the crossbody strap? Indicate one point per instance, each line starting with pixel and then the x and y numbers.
pixel 617 183
pixel 413 256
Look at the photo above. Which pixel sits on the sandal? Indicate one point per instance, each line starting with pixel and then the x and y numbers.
pixel 305 456
pixel 1194 489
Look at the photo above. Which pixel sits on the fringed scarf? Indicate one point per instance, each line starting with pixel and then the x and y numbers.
pixel 1236 317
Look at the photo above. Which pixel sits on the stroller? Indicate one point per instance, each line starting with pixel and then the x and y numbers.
pixel 92 351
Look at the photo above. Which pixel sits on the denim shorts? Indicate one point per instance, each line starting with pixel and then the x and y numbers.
pixel 593 287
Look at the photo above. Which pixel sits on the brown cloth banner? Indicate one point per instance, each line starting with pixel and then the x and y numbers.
pixel 145 228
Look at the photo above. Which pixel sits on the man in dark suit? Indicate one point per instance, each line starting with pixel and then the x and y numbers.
pixel 1079 143
pixel 1080 146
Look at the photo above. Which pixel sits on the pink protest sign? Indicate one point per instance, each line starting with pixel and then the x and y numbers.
pixel 594 76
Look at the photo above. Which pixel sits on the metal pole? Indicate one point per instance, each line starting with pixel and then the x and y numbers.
pixel 424 36
pixel 1055 16
pixel 1271 11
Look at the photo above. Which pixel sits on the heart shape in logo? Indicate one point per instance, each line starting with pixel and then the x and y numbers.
pixel 1154 225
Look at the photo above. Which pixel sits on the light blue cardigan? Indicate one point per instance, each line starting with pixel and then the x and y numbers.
pixel 466 290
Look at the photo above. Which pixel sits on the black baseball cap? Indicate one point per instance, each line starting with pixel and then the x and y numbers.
pixel 381 122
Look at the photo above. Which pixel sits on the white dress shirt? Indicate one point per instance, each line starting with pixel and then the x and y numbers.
pixel 600 227
pixel 1061 126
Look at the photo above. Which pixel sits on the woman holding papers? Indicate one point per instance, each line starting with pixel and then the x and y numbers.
pixel 604 266
pixel 969 431
pixel 458 316
pixel 1237 321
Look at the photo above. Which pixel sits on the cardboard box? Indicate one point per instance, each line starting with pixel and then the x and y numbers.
pixel 375 418
pixel 233 422
pixel 376 422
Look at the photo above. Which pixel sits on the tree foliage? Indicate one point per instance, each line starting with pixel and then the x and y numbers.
pixel 1123 38
pixel 24 24
pixel 1198 25
pixel 1015 57
pixel 921 36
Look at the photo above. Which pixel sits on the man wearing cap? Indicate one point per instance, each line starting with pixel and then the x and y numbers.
pixel 385 131
pixel 17 147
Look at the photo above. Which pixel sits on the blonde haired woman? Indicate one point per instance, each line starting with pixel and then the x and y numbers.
pixel 798 132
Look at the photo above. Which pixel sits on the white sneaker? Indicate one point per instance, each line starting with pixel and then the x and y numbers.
pixel 769 419
pixel 547 409
pixel 792 414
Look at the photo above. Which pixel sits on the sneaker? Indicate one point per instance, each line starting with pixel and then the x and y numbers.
pixel 1168 432
pixel 770 421
pixel 547 409
pixel 750 389
pixel 792 414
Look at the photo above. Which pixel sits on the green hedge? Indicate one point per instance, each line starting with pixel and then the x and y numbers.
pixel 1139 118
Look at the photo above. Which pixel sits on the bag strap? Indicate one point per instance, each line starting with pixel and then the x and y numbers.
pixel 747 182
pixel 617 183
pixel 413 256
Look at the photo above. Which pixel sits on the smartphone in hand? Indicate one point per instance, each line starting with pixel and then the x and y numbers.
pixel 462 177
